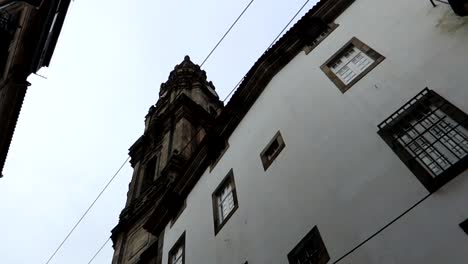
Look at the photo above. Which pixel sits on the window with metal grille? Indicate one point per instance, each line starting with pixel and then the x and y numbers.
pixel 177 253
pixel 430 135
pixel 224 201
pixel 352 62
pixel 310 250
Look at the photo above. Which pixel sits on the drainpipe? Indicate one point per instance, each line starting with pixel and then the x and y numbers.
pixel 7 3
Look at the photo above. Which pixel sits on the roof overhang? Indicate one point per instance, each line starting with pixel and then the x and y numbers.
pixel 34 3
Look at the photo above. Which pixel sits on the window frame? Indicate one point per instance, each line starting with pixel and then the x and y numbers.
pixel 330 28
pixel 219 156
pixel 179 212
pixel 149 173
pixel 268 161
pixel 387 130
pixel 228 179
pixel 179 243
pixel 376 56
pixel 312 237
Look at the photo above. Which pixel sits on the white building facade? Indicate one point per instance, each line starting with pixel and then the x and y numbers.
pixel 356 150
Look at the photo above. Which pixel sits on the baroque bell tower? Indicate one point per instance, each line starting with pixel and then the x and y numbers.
pixel 174 127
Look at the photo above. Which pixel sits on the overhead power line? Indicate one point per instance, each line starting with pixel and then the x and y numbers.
pixel 107 241
pixel 181 151
pixel 273 42
pixel 86 212
pixel 227 32
pixel 289 23
pixel 99 250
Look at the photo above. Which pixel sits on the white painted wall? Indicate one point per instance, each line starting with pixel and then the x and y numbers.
pixel 335 171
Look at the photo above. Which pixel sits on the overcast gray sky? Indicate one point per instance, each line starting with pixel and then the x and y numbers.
pixel 76 126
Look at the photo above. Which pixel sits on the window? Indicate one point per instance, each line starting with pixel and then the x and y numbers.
pixel 351 63
pixel 329 29
pixel 150 169
pixel 464 226
pixel 150 173
pixel 224 201
pixel 179 212
pixel 272 150
pixel 177 252
pixel 310 250
pixel 218 156
pixel 151 253
pixel 430 136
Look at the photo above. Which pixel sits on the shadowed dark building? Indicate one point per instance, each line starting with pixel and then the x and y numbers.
pixel 28 34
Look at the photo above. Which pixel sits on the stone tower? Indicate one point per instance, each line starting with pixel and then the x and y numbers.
pixel 174 127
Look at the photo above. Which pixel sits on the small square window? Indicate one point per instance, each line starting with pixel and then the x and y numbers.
pixel 464 226
pixel 224 201
pixel 220 154
pixel 272 150
pixel 179 212
pixel 177 252
pixel 329 29
pixel 351 63
pixel 430 135
pixel 310 250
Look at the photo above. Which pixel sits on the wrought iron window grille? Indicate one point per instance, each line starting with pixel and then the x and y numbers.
pixel 430 136
pixel 311 249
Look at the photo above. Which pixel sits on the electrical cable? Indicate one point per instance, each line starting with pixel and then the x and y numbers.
pixel 227 32
pixel 99 250
pixel 181 151
pixel 273 42
pixel 87 210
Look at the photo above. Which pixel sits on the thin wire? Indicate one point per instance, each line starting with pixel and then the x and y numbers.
pixel 99 250
pixel 273 42
pixel 233 89
pixel 87 210
pixel 181 151
pixel 289 23
pixel 383 228
pixel 227 32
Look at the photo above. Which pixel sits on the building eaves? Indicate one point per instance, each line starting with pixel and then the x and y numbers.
pixel 50 33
